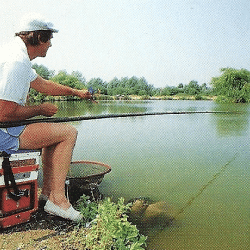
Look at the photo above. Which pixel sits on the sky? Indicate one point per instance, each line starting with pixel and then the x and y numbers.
pixel 166 41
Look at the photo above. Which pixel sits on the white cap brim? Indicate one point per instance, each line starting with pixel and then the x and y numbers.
pixel 34 22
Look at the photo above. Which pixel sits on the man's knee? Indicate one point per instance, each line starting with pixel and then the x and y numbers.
pixel 71 131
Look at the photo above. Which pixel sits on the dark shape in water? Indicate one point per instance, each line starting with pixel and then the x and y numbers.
pixel 150 217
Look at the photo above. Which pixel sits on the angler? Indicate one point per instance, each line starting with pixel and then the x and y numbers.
pixel 32 40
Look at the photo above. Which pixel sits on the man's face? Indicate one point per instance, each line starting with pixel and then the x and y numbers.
pixel 43 48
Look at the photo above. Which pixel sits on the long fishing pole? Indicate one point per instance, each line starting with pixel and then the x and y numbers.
pixel 106 116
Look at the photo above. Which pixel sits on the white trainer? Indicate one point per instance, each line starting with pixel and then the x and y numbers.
pixel 69 214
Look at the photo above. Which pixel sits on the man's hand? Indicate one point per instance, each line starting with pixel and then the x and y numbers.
pixel 84 94
pixel 11 111
pixel 48 109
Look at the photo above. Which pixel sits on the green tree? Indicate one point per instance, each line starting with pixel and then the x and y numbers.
pixel 180 86
pixel 192 88
pixel 74 80
pixel 43 71
pixel 112 86
pixel 81 80
pixel 130 86
pixel 233 85
pixel 147 89
pixel 123 88
pixel 98 85
pixel 169 91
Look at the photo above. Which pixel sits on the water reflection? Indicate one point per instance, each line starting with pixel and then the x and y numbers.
pixel 232 124
pixel 226 124
pixel 78 108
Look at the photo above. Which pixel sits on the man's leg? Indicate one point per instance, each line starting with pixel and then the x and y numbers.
pixel 57 142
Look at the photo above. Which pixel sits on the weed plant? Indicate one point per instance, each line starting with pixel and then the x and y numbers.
pixel 108 227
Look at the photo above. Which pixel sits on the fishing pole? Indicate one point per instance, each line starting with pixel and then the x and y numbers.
pixel 81 118
pixel 105 116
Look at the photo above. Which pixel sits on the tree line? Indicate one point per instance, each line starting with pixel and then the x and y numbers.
pixel 233 86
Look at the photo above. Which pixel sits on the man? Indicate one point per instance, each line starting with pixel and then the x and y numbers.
pixel 56 140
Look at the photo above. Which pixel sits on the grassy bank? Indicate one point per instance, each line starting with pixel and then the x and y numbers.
pixel 127 97
pixel 109 229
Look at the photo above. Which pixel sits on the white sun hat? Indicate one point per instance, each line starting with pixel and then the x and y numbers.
pixel 33 22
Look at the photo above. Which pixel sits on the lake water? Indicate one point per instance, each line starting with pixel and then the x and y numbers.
pixel 196 159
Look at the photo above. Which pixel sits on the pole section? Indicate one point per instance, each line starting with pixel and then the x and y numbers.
pixel 106 116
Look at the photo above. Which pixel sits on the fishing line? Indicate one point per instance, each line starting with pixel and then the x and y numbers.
pixel 92 117
pixel 204 187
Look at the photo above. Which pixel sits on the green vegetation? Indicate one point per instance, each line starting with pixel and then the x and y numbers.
pixel 191 89
pixel 108 227
pixel 232 86
pixel 130 86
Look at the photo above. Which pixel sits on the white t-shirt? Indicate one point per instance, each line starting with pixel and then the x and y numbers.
pixel 16 72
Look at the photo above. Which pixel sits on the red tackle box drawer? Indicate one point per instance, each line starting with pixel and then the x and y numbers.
pixel 28 200
pixel 25 170
pixel 15 219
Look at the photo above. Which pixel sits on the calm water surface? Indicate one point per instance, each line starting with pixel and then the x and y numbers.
pixel 203 158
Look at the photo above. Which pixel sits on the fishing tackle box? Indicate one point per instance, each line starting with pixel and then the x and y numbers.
pixel 17 209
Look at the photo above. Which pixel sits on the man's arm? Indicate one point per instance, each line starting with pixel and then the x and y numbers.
pixel 11 111
pixel 55 89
